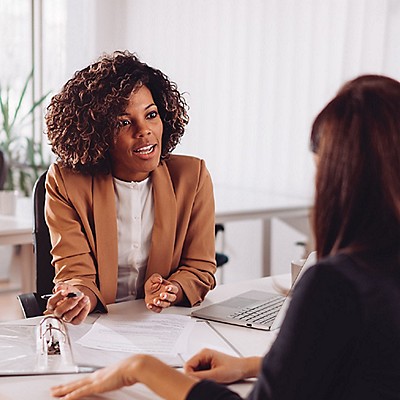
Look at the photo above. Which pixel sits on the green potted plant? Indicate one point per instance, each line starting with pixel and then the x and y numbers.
pixel 24 158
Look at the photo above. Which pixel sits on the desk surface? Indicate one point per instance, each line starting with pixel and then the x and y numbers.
pixel 17 229
pixel 246 341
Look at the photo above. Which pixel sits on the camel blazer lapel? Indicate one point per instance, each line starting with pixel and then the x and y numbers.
pixel 105 218
pixel 164 228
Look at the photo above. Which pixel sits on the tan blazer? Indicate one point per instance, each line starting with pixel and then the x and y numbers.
pixel 81 215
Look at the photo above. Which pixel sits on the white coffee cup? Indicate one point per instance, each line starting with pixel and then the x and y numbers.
pixel 296 266
pixel 8 202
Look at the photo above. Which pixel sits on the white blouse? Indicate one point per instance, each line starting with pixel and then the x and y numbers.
pixel 135 219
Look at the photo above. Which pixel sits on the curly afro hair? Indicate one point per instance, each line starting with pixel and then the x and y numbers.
pixel 82 119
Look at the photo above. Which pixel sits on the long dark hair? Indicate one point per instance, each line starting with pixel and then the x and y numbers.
pixel 357 140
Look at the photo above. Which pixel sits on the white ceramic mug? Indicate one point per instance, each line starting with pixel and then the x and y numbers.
pixel 296 267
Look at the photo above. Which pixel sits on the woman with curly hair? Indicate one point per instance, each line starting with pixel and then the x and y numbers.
pixel 127 219
pixel 340 337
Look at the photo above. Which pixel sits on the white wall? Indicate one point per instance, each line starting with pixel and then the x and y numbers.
pixel 256 72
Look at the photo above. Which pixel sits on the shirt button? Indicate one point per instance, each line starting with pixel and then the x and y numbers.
pixel 135 245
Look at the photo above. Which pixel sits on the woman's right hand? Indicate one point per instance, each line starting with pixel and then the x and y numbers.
pixel 69 309
pixel 220 367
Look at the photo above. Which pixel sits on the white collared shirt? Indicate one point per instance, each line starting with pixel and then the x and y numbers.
pixel 135 219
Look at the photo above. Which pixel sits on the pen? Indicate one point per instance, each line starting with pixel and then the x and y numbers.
pixel 69 295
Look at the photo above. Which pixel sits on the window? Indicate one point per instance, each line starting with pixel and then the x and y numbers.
pixel 16 49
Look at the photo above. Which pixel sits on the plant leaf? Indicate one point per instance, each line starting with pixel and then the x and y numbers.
pixel 4 104
pixel 35 104
pixel 21 98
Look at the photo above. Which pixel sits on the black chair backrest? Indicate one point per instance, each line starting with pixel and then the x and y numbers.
pixel 220 258
pixel 41 240
pixel 3 169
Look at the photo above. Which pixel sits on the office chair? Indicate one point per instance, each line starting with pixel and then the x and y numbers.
pixel 3 169
pixel 220 258
pixel 31 303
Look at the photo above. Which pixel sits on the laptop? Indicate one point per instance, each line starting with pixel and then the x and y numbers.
pixel 253 309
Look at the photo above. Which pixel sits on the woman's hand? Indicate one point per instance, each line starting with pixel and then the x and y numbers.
pixel 160 293
pixel 222 368
pixel 148 370
pixel 103 380
pixel 69 309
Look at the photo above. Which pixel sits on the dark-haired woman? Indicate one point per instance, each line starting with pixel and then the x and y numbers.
pixel 127 219
pixel 340 337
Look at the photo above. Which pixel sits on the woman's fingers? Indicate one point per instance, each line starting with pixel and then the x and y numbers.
pixel 61 291
pixel 167 297
pixel 154 308
pixel 172 289
pixel 155 282
pixel 200 361
pixel 77 314
pixel 159 293
pixel 69 309
pixel 62 390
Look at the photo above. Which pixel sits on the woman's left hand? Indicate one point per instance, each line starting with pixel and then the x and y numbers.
pixel 103 380
pixel 148 370
pixel 160 293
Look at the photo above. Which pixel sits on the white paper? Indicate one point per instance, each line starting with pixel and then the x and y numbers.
pixel 204 336
pixel 155 334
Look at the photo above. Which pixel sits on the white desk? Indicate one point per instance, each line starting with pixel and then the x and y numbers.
pixel 17 230
pixel 238 204
pixel 232 204
pixel 246 341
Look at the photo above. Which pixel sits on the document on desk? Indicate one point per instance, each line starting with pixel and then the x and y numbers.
pixel 171 338
pixel 148 334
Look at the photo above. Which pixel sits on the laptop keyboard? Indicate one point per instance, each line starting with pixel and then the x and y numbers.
pixel 263 313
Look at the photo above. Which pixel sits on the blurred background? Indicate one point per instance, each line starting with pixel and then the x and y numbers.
pixel 254 73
